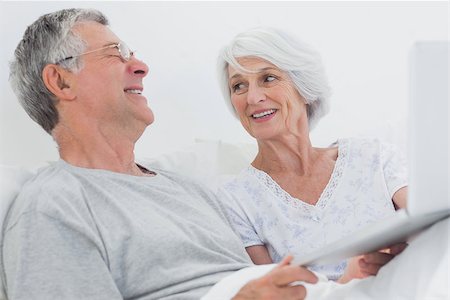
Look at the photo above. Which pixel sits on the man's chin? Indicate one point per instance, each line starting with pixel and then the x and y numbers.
pixel 150 119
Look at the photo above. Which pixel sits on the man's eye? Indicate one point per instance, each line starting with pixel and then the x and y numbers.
pixel 270 78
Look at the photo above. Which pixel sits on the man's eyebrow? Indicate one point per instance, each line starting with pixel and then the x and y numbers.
pixel 237 75
pixel 110 44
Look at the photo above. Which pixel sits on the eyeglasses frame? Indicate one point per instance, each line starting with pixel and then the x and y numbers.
pixel 116 45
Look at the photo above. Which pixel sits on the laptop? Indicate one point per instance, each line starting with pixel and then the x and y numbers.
pixel 428 199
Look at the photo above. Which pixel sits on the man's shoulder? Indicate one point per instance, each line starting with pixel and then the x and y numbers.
pixel 47 180
pixel 44 192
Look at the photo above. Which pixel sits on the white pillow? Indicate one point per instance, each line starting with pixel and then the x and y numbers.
pixel 208 161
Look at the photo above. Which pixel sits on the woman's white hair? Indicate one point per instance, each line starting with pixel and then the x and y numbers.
pixel 300 61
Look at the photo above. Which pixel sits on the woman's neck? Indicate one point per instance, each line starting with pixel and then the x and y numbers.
pixel 290 154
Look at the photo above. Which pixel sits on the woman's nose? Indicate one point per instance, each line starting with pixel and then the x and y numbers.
pixel 138 67
pixel 255 94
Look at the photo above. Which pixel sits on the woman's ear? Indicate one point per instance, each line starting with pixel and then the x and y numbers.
pixel 57 81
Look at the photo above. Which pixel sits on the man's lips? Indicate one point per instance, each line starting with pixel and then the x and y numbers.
pixel 133 91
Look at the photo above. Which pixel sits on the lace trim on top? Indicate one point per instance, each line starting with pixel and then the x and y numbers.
pixel 327 193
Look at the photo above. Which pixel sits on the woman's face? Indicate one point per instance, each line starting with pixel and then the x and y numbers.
pixel 266 101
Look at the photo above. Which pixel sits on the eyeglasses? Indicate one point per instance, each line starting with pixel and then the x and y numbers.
pixel 124 51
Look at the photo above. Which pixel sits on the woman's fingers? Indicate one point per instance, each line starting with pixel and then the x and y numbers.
pixel 372 262
pixel 378 258
pixel 397 248
pixel 368 269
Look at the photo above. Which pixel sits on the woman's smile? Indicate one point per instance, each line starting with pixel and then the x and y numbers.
pixel 263 115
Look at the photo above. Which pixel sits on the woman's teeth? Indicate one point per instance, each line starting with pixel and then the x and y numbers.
pixel 264 113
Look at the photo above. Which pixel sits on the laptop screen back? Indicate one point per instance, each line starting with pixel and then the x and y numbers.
pixel 428 127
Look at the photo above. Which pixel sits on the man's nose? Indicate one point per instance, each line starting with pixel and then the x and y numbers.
pixel 138 67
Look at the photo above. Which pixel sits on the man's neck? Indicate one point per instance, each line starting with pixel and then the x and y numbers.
pixel 97 151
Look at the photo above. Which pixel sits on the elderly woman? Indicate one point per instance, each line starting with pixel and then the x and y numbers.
pixel 294 197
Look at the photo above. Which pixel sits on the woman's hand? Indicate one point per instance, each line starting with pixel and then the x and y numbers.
pixel 277 283
pixel 369 264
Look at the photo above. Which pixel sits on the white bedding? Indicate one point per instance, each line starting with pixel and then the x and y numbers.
pixel 420 272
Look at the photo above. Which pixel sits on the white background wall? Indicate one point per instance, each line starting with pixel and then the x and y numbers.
pixel 364 46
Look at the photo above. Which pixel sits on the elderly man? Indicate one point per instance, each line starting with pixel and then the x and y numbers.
pixel 96 225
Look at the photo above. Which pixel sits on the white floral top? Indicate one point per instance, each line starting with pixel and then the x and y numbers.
pixel 366 175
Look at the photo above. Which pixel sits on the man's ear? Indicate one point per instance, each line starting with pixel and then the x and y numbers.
pixel 57 80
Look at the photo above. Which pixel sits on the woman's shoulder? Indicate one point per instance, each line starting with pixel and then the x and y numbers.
pixel 362 145
pixel 369 149
pixel 361 141
pixel 372 143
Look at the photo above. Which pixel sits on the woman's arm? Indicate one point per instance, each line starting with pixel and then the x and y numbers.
pixel 259 254
pixel 400 197
pixel 369 264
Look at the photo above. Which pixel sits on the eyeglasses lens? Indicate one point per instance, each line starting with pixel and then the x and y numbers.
pixel 124 51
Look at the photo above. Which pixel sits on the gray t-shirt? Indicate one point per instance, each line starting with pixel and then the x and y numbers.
pixel 76 233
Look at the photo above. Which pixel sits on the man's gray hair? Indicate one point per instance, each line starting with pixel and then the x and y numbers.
pixel 300 61
pixel 47 41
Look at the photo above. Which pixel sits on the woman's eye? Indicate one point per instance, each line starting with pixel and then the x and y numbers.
pixel 239 87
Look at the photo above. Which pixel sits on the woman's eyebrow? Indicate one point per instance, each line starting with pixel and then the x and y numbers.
pixel 262 70
pixel 237 75
pixel 267 69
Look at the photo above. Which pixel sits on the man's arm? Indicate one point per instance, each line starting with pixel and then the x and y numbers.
pixel 46 258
